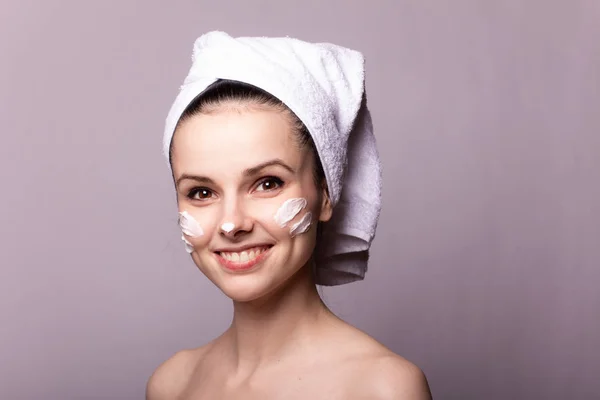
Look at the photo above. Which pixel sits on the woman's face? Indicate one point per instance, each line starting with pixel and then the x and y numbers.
pixel 247 198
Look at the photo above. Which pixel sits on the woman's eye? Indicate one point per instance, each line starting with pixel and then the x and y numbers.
pixel 270 183
pixel 200 194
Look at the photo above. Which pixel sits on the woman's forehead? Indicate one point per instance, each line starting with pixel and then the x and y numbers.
pixel 235 138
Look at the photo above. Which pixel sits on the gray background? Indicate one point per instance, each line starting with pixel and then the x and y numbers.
pixel 485 268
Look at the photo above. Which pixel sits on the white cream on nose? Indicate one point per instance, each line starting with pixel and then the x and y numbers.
pixel 227 227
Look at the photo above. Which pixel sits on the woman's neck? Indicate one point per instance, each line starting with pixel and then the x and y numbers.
pixel 274 327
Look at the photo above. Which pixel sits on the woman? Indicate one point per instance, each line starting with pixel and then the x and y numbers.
pixel 261 206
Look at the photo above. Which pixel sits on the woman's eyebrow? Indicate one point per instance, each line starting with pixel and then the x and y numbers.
pixel 197 178
pixel 247 172
pixel 261 166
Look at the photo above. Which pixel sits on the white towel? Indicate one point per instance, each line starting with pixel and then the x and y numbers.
pixel 323 84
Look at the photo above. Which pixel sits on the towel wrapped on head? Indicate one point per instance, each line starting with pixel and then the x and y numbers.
pixel 323 84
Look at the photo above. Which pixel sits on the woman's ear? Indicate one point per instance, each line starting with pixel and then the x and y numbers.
pixel 326 208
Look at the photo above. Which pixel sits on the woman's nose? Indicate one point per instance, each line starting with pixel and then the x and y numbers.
pixel 235 221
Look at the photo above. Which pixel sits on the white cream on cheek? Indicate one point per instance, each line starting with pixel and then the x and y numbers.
pixel 288 211
pixel 188 246
pixel 189 225
pixel 302 226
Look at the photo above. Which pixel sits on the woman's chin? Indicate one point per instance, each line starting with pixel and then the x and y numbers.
pixel 246 285
pixel 244 289
pixel 251 287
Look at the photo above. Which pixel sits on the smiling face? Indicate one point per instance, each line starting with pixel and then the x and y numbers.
pixel 248 201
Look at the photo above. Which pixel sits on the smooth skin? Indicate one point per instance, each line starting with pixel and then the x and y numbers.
pixel 283 342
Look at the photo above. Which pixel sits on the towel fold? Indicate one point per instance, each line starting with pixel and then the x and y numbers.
pixel 323 84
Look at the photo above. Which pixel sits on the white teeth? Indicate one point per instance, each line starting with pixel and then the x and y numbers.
pixel 243 256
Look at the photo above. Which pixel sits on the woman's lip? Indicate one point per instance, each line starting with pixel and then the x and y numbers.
pixel 245 266
pixel 240 249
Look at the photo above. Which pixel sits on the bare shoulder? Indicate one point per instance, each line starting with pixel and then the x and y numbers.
pixel 379 373
pixel 172 376
pixel 390 376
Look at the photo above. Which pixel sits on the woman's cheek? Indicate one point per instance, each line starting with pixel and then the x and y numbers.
pixel 302 225
pixel 196 229
pixel 293 216
pixel 285 219
pixel 262 214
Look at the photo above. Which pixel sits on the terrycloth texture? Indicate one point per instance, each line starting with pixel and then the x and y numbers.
pixel 323 84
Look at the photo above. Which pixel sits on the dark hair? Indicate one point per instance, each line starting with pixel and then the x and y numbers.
pixel 225 91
